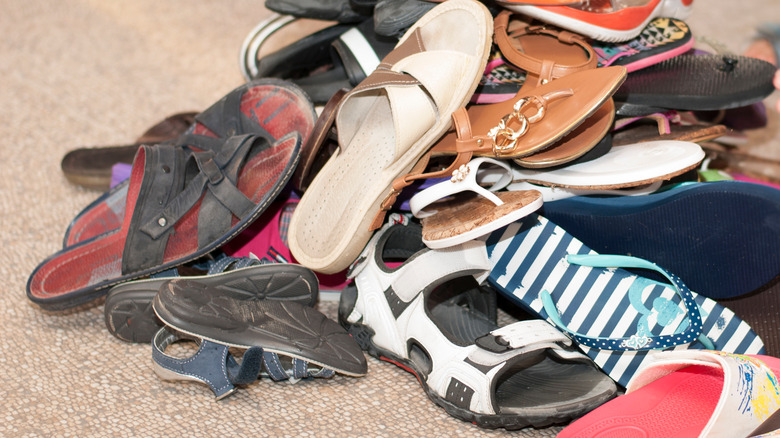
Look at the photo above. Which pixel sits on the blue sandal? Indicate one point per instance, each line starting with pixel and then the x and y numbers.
pixel 283 339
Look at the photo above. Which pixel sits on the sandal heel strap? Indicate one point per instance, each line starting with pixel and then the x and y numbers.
pixel 212 364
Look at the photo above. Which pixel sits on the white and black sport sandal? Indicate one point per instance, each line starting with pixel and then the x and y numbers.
pixel 523 374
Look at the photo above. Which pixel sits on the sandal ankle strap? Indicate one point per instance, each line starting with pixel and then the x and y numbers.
pixel 212 364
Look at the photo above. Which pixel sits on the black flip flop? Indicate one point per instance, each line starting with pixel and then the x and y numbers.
pixel 699 82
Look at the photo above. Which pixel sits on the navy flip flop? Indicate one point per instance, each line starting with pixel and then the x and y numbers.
pixel 721 237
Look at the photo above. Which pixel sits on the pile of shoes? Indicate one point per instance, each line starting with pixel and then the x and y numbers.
pixel 445 165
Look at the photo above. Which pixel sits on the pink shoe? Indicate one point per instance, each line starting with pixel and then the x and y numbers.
pixel 266 238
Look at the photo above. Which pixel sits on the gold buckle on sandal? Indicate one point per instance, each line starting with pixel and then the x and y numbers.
pixel 505 134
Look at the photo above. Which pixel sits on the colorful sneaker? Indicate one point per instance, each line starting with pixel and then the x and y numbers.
pixel 605 20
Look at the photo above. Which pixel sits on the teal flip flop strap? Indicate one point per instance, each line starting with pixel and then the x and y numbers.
pixel 634 342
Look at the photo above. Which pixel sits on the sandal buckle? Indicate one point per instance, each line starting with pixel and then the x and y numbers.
pixel 504 135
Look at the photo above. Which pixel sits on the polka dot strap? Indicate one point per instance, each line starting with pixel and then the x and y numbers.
pixel 635 341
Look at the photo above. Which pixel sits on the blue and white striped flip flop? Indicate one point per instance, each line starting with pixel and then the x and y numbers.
pixel 615 316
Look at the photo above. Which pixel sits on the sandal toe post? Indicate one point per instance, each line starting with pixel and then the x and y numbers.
pixel 432 71
pixel 455 217
pixel 523 374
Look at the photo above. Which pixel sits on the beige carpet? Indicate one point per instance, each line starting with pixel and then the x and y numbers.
pixel 96 72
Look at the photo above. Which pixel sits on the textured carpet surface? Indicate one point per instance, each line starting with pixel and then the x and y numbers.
pixel 96 72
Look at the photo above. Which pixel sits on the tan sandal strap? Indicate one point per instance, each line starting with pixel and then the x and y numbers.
pixel 320 133
pixel 545 69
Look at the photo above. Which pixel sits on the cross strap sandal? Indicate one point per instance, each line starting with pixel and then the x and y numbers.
pixel 522 374
pixel 248 109
pixel 293 341
pixel 181 205
pixel 385 125
pixel 128 309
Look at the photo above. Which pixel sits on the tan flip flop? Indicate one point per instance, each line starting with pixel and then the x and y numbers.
pixel 659 126
pixel 385 125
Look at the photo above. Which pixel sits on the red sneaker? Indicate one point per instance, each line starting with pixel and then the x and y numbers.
pixel 604 20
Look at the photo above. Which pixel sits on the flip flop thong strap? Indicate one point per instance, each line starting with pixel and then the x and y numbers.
pixel 634 342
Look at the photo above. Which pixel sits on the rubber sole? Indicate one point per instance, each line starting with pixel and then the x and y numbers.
pixel 129 315
pixel 721 238
pixel 283 327
pixel 603 32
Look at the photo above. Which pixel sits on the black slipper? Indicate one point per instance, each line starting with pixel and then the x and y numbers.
pixel 327 10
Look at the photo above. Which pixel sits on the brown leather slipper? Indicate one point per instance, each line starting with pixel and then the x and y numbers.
pixel 90 167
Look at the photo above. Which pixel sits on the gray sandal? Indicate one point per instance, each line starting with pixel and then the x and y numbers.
pixel 128 310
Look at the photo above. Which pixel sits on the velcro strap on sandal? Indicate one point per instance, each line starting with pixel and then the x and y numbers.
pixel 522 334
pixel 212 364
pixel 300 369
pixel 467 258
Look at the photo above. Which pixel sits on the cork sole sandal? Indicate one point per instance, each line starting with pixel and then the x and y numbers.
pixel 450 216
